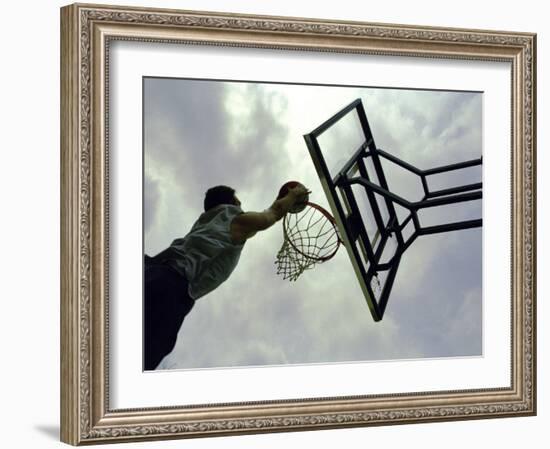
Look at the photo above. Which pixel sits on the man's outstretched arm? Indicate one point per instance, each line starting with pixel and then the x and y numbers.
pixel 246 225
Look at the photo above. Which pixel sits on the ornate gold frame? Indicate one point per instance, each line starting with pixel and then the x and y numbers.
pixel 86 32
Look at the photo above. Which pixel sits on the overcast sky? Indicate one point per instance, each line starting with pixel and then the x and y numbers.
pixel 250 136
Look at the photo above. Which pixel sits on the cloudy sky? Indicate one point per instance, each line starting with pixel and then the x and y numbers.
pixel 250 136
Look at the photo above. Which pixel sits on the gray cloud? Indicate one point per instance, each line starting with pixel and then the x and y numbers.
pixel 429 301
pixel 261 133
pixel 151 196
pixel 426 127
pixel 191 111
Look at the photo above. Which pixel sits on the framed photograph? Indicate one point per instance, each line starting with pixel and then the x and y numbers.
pixel 281 224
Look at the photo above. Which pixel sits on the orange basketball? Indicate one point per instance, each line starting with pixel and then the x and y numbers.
pixel 283 191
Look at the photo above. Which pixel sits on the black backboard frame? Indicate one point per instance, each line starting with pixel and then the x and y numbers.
pixel 348 217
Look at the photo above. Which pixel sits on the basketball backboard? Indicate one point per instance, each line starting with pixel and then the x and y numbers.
pixel 376 225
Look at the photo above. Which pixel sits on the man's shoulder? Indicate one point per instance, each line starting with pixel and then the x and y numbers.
pixel 222 208
pixel 227 211
pixel 218 217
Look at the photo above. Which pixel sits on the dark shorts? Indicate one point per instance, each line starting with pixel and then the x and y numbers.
pixel 166 303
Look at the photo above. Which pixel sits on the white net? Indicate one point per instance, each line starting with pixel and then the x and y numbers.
pixel 290 263
pixel 310 237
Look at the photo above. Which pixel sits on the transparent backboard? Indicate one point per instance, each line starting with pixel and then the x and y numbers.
pixel 340 150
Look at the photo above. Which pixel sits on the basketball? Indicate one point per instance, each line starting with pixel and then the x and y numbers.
pixel 283 191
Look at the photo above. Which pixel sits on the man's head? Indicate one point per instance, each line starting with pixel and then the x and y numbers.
pixel 220 195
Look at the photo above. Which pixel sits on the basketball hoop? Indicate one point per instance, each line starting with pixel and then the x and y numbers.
pixel 310 237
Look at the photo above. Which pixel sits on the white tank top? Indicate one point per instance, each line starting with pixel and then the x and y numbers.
pixel 207 255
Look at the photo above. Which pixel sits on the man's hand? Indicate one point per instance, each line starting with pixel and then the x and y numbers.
pixel 299 193
pixel 295 195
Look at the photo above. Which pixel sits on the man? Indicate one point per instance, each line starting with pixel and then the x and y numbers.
pixel 198 263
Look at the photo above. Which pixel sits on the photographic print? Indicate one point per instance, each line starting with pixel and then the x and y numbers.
pixel 285 224
pixel 292 292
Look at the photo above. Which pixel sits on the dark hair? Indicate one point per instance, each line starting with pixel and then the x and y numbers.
pixel 218 195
